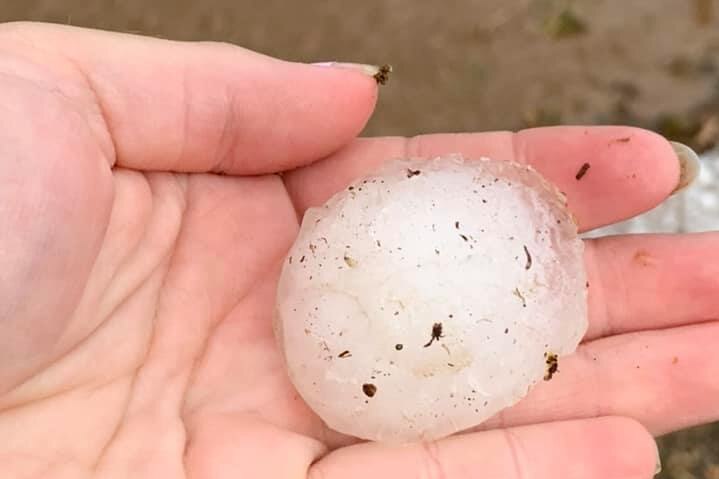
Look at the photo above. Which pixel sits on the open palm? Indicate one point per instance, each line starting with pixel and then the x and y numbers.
pixel 148 193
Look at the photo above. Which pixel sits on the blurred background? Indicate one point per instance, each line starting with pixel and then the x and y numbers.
pixel 472 65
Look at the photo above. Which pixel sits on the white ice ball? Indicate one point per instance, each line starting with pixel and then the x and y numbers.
pixel 427 297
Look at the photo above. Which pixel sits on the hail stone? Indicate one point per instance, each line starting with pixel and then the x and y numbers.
pixel 429 296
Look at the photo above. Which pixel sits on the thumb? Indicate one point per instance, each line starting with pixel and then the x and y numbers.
pixel 202 107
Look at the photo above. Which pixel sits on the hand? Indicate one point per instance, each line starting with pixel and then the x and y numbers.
pixel 143 223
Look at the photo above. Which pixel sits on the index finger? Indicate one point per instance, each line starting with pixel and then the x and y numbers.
pixel 626 170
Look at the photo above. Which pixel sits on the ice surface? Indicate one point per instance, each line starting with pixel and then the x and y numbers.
pixel 424 299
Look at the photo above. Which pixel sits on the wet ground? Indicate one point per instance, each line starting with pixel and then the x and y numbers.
pixel 477 65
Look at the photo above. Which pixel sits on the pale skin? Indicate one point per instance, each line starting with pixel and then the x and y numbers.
pixel 137 283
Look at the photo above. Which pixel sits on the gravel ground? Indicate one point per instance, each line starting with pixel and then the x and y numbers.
pixel 487 64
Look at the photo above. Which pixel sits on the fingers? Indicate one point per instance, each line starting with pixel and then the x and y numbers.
pixel 631 170
pixel 597 448
pixel 195 107
pixel 651 281
pixel 664 379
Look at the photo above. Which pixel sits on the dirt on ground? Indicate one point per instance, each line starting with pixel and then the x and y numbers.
pixel 473 65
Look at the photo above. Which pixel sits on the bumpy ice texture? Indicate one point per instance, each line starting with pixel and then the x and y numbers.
pixel 427 297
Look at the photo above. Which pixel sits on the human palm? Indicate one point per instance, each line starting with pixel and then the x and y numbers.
pixel 148 193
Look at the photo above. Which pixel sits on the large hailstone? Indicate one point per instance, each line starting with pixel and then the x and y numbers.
pixel 427 297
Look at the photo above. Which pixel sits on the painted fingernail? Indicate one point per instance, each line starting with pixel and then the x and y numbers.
pixel 689 166
pixel 658 467
pixel 379 73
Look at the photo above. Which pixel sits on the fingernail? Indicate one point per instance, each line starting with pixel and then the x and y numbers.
pixel 379 73
pixel 658 467
pixel 689 166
